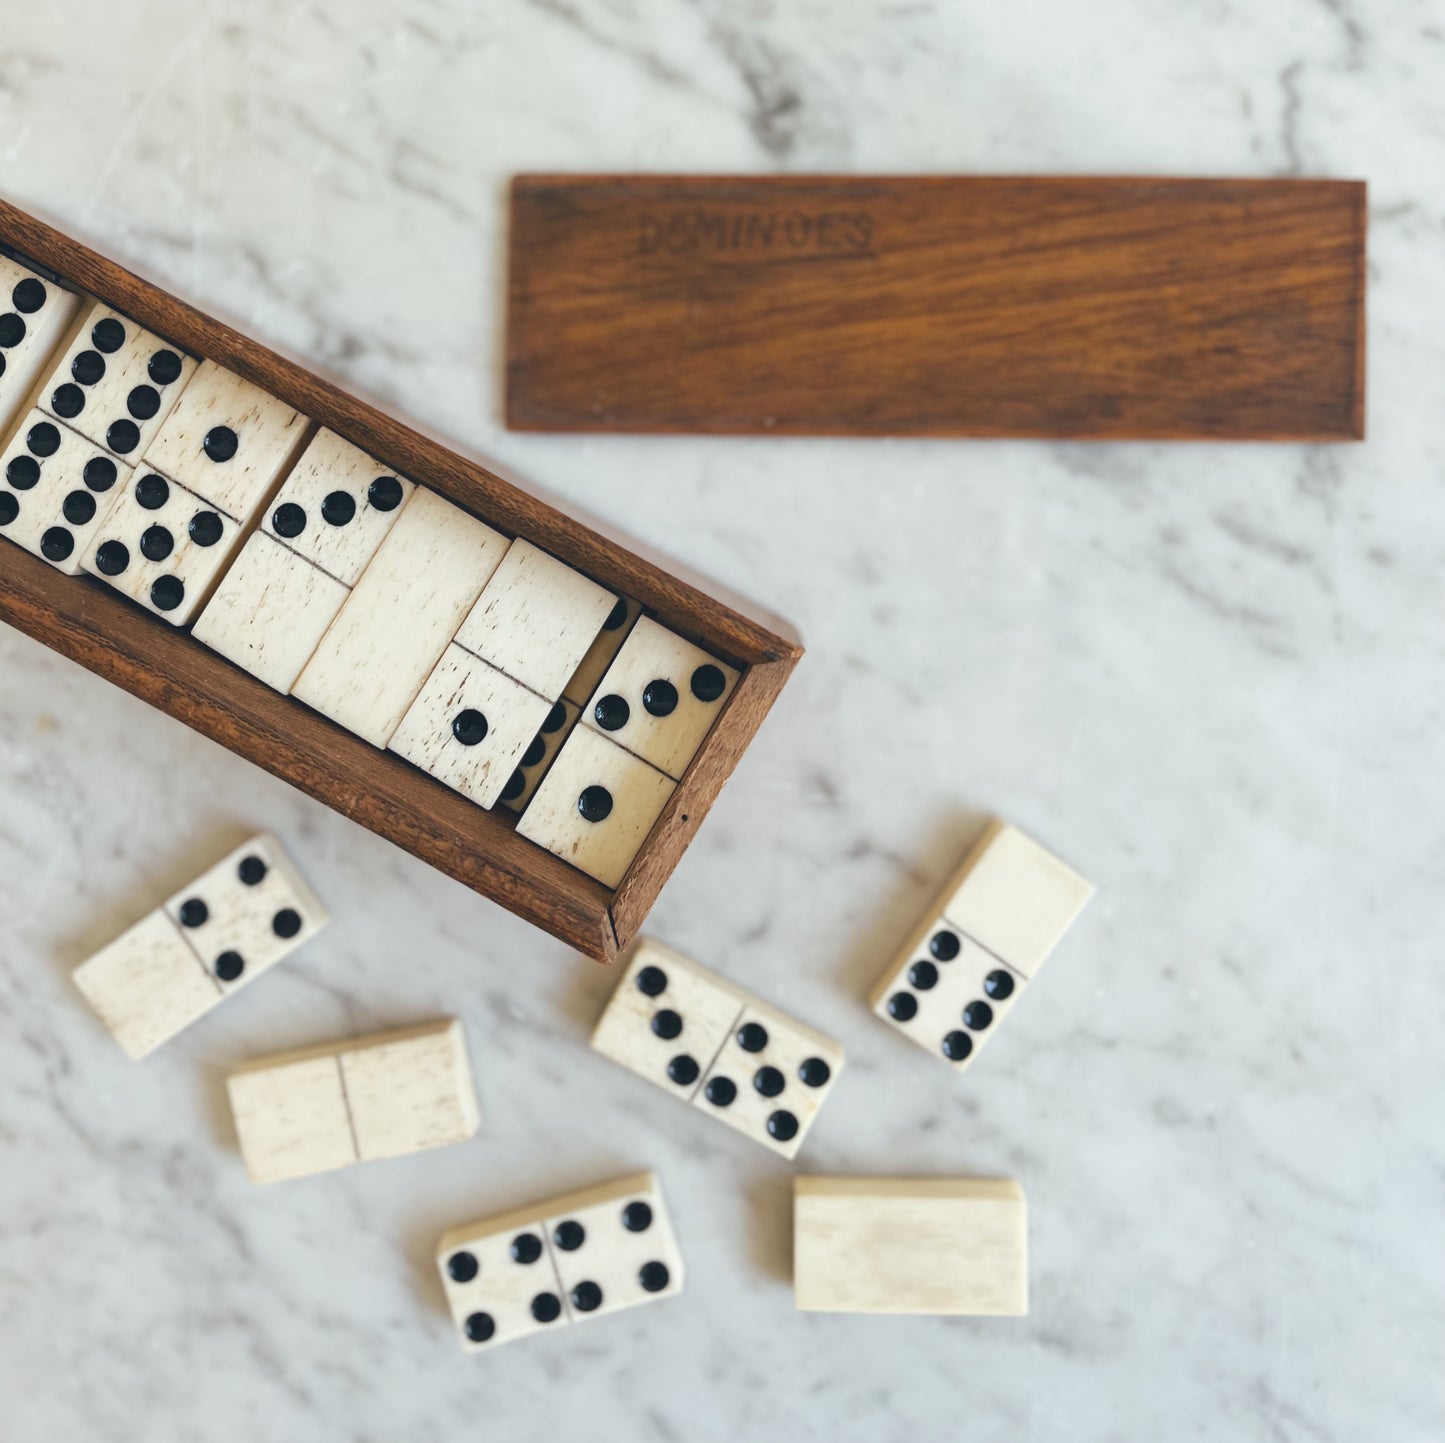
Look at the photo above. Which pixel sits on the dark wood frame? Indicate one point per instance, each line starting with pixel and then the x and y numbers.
pixel 94 625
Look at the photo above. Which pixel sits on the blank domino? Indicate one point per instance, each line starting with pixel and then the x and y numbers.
pixel 567 1260
pixel 697 1036
pixel 270 611
pixel 536 619
pixel 293 576
pixel 910 1245
pixel 985 939
pixel 35 314
pixel 401 615
pixel 221 932
pixel 322 1108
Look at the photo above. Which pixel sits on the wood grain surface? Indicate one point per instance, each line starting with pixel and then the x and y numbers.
pixel 1084 307
pixel 94 625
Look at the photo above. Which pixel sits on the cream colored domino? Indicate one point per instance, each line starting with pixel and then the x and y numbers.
pixel 469 726
pixel 291 1116
pixel 399 618
pixel 270 611
pixel 910 1245
pixel 228 441
pixel 668 1018
pixel 295 1112
pixel 411 1090
pixel 231 924
pixel 964 967
pixel 566 1260
pixel 605 646
pixel 247 913
pixel 147 985
pixel 541 751
pixel 536 619
pixel 614 1247
pixel 336 507
pixel 770 1078
pixel 55 489
pixel 660 697
pixel 35 315
pixel 162 546
pixel 116 383
pixel 596 806
pixel 711 1043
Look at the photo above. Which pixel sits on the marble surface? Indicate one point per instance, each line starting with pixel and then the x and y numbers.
pixel 1209 676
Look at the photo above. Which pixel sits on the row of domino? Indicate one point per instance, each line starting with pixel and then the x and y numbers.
pixel 861 1244
pixel 373 600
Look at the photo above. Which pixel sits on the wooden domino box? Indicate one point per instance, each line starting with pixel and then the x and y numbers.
pixel 164 665
pixel 1103 307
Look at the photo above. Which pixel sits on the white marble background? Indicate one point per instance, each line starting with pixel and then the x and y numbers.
pixel 1210 676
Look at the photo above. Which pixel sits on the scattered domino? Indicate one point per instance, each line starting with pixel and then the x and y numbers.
pixel 567 1260
pixel 162 546
pixel 660 697
pixel 116 383
pixel 322 1108
pixel 910 1245
pixel 962 970
pixel 715 1045
pixel 55 488
pixel 536 619
pixel 234 922
pixel 35 314
pixel 596 806
pixel 400 617
pixel 294 575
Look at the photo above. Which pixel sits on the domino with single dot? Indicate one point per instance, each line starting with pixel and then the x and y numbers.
pixel 716 1046
pixel 36 313
pixel 470 726
pixel 567 1260
pixel 294 574
pixel 964 967
pixel 234 922
pixel 596 806
pixel 660 697
pixel 228 442
pixel 56 487
pixel 322 1108
pixel 116 383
